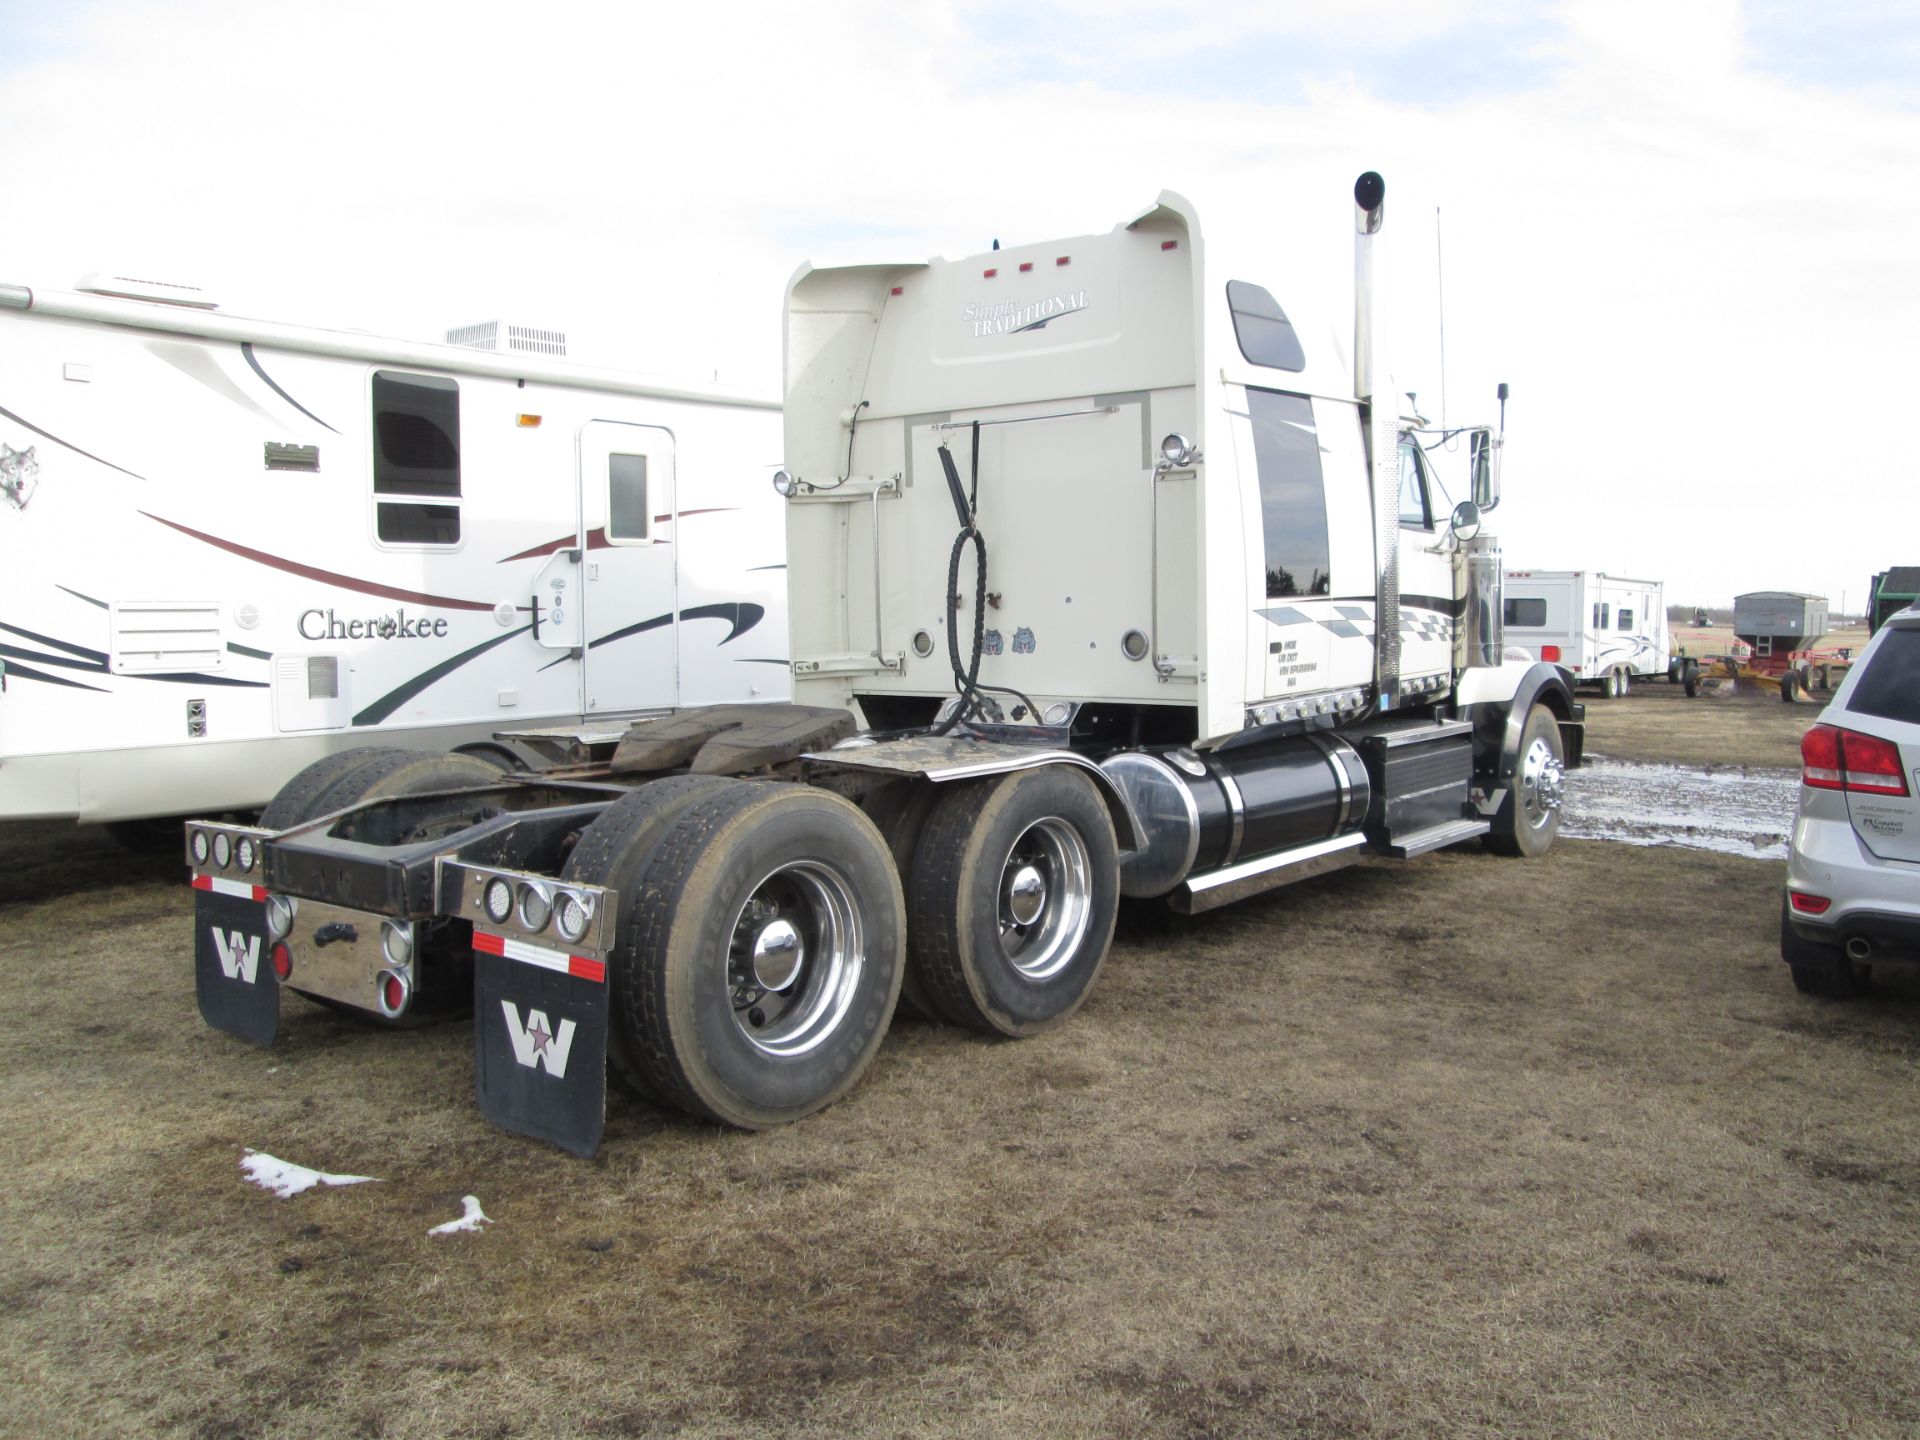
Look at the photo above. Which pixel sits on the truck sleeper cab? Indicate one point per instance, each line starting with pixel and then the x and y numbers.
pixel 1105 583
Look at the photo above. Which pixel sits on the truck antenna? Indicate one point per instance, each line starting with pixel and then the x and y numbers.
pixel 1440 276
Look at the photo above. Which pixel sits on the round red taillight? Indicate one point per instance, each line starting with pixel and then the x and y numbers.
pixel 393 993
pixel 282 961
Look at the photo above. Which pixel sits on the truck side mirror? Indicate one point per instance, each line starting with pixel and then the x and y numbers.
pixel 1483 459
pixel 1465 524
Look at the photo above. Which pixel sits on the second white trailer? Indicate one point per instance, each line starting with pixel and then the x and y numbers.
pixel 1605 629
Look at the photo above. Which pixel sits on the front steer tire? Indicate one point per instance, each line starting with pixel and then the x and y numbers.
pixel 762 955
pixel 1524 826
pixel 991 851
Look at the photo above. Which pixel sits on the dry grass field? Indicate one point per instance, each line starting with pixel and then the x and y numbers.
pixel 1465 1146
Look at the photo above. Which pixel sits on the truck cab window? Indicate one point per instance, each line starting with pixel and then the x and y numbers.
pixel 1261 327
pixel 416 459
pixel 1293 501
pixel 628 516
pixel 1416 509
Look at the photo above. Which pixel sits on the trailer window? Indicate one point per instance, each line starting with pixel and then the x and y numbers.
pixel 1265 334
pixel 1602 611
pixel 1416 511
pixel 1528 612
pixel 1626 619
pixel 416 455
pixel 1293 501
pixel 628 516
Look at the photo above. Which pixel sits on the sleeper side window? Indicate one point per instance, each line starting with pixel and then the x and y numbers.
pixel 416 459
pixel 629 518
pixel 1293 501
pixel 1265 335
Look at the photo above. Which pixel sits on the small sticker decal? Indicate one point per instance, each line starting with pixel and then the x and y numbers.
pixel 1023 641
pixel 991 643
pixel 19 475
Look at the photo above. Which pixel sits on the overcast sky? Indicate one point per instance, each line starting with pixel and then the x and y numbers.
pixel 1685 231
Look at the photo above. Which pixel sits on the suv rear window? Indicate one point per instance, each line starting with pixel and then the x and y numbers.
pixel 1890 685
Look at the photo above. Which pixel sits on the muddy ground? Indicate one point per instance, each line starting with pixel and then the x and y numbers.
pixel 1465 1146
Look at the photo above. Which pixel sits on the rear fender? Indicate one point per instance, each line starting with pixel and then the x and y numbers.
pixel 942 759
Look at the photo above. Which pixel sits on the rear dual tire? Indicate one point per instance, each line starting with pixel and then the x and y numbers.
pixel 1014 893
pixel 758 951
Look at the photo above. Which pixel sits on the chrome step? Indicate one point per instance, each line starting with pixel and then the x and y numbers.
pixel 1448 832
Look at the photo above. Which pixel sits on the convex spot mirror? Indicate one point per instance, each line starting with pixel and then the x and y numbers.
pixel 1466 521
pixel 1483 461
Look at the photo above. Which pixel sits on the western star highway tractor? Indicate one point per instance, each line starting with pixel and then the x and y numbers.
pixel 1104 583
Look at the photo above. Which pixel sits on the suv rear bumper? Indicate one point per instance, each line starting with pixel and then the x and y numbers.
pixel 1872 899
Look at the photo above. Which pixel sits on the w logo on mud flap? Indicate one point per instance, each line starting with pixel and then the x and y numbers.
pixel 536 1043
pixel 239 954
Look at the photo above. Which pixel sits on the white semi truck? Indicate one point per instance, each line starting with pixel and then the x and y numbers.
pixel 1106 582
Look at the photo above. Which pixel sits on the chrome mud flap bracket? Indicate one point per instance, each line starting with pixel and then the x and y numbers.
pixel 232 966
pixel 540 1021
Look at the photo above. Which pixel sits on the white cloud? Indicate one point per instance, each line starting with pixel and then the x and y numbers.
pixel 1694 272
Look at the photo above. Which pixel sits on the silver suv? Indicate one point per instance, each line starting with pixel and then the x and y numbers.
pixel 1853 872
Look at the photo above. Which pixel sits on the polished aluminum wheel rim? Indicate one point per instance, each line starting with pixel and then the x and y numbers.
pixel 1543 784
pixel 795 958
pixel 1045 898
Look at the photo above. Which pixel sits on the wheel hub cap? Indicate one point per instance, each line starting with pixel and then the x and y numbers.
pixel 1543 783
pixel 1026 895
pixel 777 955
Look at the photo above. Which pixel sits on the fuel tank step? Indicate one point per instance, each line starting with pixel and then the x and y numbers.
pixel 1434 837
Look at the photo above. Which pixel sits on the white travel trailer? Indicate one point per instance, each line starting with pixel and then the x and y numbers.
pixel 1606 630
pixel 229 547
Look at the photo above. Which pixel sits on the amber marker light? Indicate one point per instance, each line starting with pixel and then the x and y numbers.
pixel 527 422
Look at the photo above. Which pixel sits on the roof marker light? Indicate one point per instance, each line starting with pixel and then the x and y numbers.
pixel 1063 260
pixel 898 290
pixel 990 273
pixel 1169 244
pixel 527 422
pixel 1025 266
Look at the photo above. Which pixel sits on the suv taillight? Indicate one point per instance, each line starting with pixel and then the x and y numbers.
pixel 1836 759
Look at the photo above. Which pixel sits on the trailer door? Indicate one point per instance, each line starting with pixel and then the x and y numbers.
pixel 628 508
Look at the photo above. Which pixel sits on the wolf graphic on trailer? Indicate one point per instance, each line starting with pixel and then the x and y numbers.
pixel 232 547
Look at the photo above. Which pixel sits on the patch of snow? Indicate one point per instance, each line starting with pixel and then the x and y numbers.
pixel 472 1218
pixel 286 1179
pixel 1747 810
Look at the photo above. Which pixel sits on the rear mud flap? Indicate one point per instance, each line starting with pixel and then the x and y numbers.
pixel 232 971
pixel 540 1041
